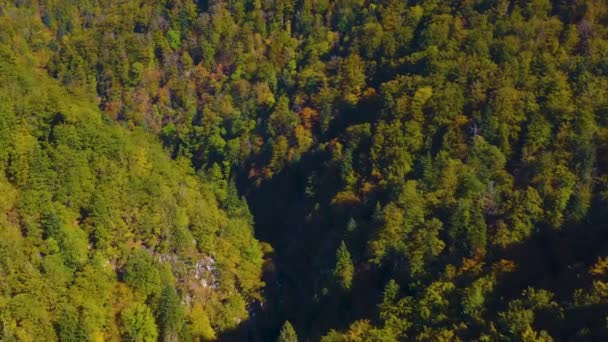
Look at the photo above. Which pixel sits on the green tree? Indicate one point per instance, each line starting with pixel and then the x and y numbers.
pixel 200 324
pixel 344 269
pixel 69 327
pixel 171 316
pixel 138 324
pixel 142 274
pixel 282 121
pixel 287 333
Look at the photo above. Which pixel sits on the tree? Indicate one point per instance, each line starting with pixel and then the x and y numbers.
pixel 478 128
pixel 171 314
pixel 287 334
pixel 352 225
pixel 200 324
pixel 346 170
pixel 517 321
pixel 344 269
pixel 282 121
pixel 351 78
pixel 142 275
pixel 69 328
pixel 395 312
pixel 138 324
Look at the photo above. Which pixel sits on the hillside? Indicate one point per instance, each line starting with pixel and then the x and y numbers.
pixel 102 234
pixel 346 170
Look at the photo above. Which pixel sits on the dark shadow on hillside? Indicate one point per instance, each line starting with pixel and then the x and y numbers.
pixel 304 232
pixel 558 261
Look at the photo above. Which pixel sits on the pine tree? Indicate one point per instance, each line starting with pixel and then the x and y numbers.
pixel 344 270
pixel 287 334
pixel 171 315
pixel 352 225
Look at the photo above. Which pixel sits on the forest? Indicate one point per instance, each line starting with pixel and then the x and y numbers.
pixel 307 170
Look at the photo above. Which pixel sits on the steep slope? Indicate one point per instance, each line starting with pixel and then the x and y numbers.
pixel 424 169
pixel 102 235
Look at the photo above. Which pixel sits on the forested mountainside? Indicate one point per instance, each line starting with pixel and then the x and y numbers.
pixel 102 235
pixel 430 170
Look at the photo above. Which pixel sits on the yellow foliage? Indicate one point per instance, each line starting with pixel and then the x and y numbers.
pixel 345 198
pixel 600 268
pixel 304 138
pixel 140 164
pixel 504 266
pixel 200 324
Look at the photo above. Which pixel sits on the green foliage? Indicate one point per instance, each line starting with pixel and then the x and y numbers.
pixel 518 319
pixel 344 269
pixel 97 218
pixel 199 323
pixel 171 314
pixel 457 147
pixel 174 39
pixel 138 324
pixel 282 121
pixel 474 297
pixel 287 333
pixel 69 327
pixel 142 275
pixel 406 233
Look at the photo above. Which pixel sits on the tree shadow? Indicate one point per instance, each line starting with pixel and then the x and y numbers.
pixel 558 261
pixel 304 230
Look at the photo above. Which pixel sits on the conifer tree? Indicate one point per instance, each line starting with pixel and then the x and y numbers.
pixel 288 333
pixel 344 270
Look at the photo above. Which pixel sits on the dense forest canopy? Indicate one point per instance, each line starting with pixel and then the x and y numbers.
pixel 430 170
